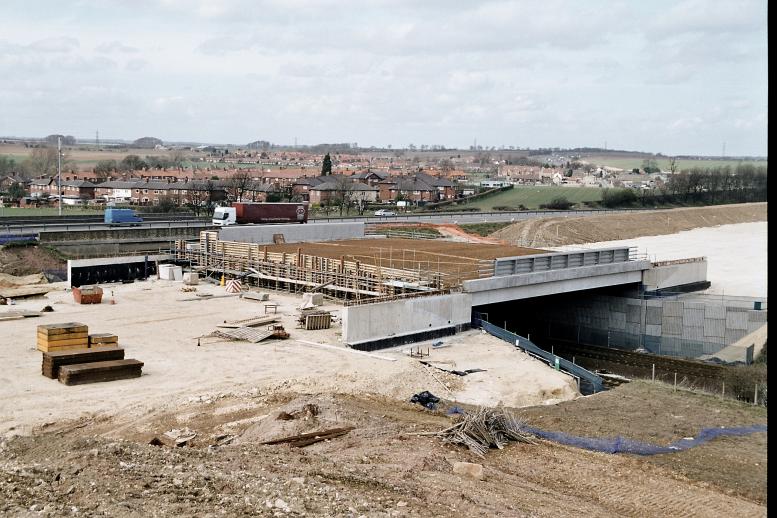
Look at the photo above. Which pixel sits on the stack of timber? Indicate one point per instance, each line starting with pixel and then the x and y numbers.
pixel 92 372
pixel 52 361
pixel 108 339
pixel 62 337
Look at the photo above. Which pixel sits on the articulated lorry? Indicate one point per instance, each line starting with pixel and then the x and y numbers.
pixel 247 213
pixel 121 217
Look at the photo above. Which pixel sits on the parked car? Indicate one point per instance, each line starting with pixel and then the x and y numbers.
pixel 384 212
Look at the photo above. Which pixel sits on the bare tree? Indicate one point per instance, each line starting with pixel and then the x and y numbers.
pixel 41 162
pixel 240 184
pixel 343 193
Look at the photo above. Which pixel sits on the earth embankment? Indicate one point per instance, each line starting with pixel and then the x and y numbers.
pixel 561 231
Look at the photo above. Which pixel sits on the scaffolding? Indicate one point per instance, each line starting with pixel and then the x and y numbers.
pixel 295 272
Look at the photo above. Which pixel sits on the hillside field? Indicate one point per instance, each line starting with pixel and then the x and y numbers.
pixel 534 196
pixel 629 163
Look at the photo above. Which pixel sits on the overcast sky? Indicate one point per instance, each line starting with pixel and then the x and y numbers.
pixel 676 77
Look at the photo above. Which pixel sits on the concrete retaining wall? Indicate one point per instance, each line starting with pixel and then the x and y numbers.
pixel 293 233
pixel 688 328
pixel 373 322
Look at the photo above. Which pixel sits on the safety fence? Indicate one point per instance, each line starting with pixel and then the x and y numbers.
pixel 625 445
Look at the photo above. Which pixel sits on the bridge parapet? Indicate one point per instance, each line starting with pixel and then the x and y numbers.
pixel 563 260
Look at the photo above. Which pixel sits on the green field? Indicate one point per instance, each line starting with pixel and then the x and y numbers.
pixel 628 163
pixel 533 197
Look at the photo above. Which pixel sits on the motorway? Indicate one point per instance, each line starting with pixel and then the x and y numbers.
pixel 81 223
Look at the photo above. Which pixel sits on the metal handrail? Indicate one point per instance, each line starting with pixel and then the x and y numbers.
pixel 527 346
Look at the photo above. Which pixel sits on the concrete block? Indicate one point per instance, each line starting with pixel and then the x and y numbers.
pixel 714 311
pixel 672 325
pixel 732 335
pixel 653 330
pixel 292 233
pixel 170 272
pixel 673 308
pixel 693 332
pixel 653 314
pixel 756 316
pixel 633 328
pixel 312 299
pixel 617 304
pixel 693 316
pixel 633 313
pixel 714 327
pixel 191 278
pixel 736 319
pixel 617 320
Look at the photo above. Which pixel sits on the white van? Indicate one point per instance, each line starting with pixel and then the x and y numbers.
pixel 224 216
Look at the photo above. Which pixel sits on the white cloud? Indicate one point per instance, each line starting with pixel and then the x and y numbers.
pixel 528 73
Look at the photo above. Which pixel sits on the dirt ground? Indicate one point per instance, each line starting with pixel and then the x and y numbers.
pixel 104 465
pixel 543 232
pixel 156 325
pixel 27 260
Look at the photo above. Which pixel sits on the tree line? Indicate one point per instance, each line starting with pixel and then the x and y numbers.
pixel 699 185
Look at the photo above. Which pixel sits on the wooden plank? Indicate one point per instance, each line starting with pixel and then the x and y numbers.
pixel 45 348
pixel 103 338
pixel 67 327
pixel 63 336
pixel 112 370
pixel 305 439
pixel 52 361
pixel 69 341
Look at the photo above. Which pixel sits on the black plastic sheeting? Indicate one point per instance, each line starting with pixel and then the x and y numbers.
pixel 426 399
pixel 394 341
pixel 120 272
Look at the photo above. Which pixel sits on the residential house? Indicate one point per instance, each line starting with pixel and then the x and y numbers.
pixel 333 191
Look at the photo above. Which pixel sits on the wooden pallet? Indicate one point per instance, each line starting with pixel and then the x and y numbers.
pixel 52 361
pixel 95 372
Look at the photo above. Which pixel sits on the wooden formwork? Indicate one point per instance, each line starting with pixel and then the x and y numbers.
pixel 296 271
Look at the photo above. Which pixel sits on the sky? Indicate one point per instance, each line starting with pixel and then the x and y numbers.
pixel 674 77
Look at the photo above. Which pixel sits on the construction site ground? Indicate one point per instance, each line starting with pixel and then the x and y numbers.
pixel 84 450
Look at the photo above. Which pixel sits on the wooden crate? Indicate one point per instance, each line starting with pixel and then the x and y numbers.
pixel 318 321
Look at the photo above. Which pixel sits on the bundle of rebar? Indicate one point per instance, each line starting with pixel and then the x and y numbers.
pixel 486 428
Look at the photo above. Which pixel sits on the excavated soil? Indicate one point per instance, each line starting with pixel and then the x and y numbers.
pixel 28 260
pixel 561 231
pixel 105 465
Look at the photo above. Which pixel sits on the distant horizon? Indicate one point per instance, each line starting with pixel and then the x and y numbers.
pixel 675 76
pixel 124 141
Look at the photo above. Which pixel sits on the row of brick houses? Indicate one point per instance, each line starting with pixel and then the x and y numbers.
pixel 366 186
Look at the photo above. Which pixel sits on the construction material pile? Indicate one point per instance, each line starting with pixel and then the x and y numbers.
pixel 484 429
pixel 73 356
pixel 62 337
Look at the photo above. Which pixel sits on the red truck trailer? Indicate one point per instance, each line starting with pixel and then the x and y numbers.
pixel 242 213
